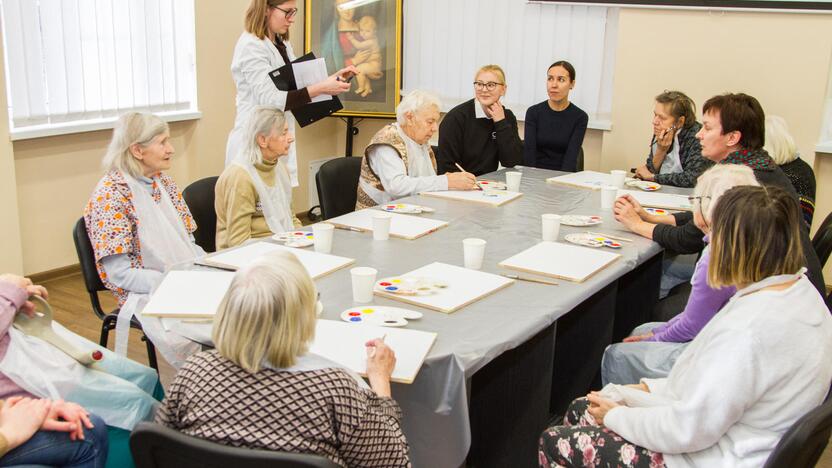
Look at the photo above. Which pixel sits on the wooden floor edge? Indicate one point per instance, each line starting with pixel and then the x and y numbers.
pixel 50 275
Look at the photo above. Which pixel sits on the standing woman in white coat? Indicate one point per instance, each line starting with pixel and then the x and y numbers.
pixel 263 47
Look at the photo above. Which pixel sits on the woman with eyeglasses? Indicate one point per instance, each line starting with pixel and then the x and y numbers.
pixel 263 47
pixel 480 133
pixel 675 154
pixel 555 128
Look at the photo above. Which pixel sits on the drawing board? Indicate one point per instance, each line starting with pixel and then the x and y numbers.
pixel 316 264
pixel 401 225
pixel 189 294
pixel 558 260
pixel 668 201
pixel 488 197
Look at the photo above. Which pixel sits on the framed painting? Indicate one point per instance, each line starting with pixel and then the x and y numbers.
pixel 368 35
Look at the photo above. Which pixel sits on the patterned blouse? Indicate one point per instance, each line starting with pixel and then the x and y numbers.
pixel 321 412
pixel 112 225
pixel 690 155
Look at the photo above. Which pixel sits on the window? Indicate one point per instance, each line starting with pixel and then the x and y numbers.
pixel 75 65
pixel 445 42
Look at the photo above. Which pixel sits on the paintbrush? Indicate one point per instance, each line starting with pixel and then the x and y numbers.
pixel 532 280
pixel 463 170
pixel 623 239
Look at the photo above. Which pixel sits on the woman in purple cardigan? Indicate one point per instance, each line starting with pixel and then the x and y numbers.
pixel 653 347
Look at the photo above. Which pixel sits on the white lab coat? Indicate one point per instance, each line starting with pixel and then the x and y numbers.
pixel 253 60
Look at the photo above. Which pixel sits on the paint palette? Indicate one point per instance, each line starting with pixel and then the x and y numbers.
pixel 491 185
pixel 645 185
pixel 656 211
pixel 380 316
pixel 406 208
pixel 580 220
pixel 295 238
pixel 591 240
pixel 410 286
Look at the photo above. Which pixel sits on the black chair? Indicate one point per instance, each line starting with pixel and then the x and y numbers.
pixel 93 283
pixel 337 182
pixel 802 445
pixel 156 446
pixel 199 196
pixel 579 163
pixel 822 242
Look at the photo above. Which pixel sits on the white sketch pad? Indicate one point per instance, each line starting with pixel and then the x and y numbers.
pixel 584 179
pixel 317 264
pixel 401 225
pixel 464 287
pixel 559 260
pixel 495 197
pixel 343 343
pixel 667 201
pixel 189 294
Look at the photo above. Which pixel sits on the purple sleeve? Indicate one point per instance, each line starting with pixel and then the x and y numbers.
pixel 703 304
pixel 11 299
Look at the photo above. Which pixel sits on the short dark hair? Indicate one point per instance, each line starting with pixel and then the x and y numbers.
pixel 680 106
pixel 739 112
pixel 567 66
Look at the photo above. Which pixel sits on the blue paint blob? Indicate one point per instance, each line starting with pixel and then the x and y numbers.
pixel 355 319
pixel 391 288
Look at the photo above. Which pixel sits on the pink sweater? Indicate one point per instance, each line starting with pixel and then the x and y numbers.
pixel 11 299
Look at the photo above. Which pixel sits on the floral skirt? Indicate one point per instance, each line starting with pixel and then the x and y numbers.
pixel 582 442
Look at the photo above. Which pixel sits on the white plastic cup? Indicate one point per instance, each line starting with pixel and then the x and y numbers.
pixel 617 177
pixel 322 234
pixel 363 281
pixel 608 194
pixel 513 180
pixel 381 225
pixel 551 227
pixel 473 252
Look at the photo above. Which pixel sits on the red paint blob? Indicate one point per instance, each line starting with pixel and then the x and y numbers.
pixel 385 283
pixel 354 314
pixel 97 355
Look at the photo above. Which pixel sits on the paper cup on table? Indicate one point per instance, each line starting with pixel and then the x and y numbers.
pixel 513 180
pixel 363 280
pixel 608 194
pixel 618 178
pixel 551 227
pixel 322 234
pixel 381 225
pixel 473 251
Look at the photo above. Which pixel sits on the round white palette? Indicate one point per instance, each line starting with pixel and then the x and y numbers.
pixel 409 286
pixel 406 208
pixel 580 220
pixel 491 185
pixel 295 238
pixel 381 316
pixel 657 211
pixel 645 185
pixel 591 240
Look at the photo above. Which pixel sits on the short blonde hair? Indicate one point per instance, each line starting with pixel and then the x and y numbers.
pixel 714 182
pixel 779 142
pixel 414 101
pixel 133 128
pixel 495 69
pixel 255 22
pixel 268 314
pixel 756 234
pixel 261 122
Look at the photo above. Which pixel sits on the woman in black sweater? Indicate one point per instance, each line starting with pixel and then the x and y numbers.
pixel 780 145
pixel 480 133
pixel 555 128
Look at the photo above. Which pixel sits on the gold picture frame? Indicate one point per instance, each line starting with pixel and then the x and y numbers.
pixel 364 33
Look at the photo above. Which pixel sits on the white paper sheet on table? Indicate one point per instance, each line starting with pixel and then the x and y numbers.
pixel 310 72
pixel 668 201
pixel 464 286
pixel 401 225
pixel 585 179
pixel 189 294
pixel 488 197
pixel 558 260
pixel 317 264
pixel 343 343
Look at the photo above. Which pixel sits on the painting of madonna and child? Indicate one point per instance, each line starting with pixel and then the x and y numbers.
pixel 366 34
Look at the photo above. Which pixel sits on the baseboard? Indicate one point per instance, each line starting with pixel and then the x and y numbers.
pixel 42 277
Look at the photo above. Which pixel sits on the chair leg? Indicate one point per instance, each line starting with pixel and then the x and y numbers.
pixel 106 325
pixel 151 354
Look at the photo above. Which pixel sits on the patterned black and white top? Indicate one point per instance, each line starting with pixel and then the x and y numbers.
pixel 690 155
pixel 322 412
pixel 802 176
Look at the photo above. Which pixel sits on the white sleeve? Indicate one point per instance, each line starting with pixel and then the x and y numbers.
pixel 707 406
pixel 386 163
pixel 121 274
pixel 255 66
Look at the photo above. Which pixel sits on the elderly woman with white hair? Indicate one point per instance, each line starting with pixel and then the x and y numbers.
pixel 261 388
pixel 399 161
pixel 254 194
pixel 653 348
pixel 782 149
pixel 138 223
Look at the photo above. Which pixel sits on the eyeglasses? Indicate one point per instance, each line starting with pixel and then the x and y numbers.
pixel 692 199
pixel 490 86
pixel 289 13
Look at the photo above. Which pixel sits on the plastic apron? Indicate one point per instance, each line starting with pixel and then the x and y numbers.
pixel 673 160
pixel 164 242
pixel 276 201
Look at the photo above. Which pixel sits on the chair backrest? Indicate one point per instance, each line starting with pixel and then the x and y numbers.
pixel 156 446
pixel 579 164
pixel 86 257
pixel 199 196
pixel 802 445
pixel 337 182
pixel 822 242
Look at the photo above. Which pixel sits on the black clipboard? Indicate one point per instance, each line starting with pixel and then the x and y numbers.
pixel 284 79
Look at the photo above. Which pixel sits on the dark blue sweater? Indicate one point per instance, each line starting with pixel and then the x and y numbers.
pixel 553 138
